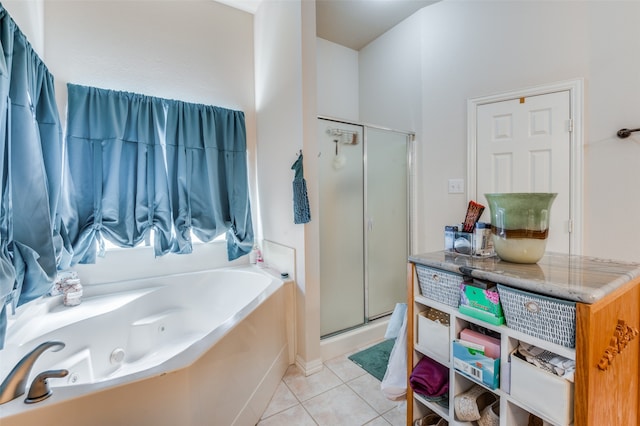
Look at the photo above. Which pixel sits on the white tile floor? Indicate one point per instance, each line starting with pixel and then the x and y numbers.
pixel 341 394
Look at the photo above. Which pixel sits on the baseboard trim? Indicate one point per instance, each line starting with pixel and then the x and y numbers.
pixel 309 367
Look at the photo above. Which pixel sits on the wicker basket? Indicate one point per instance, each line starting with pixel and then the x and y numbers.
pixel 547 318
pixel 438 285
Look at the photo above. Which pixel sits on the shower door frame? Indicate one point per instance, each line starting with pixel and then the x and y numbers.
pixel 410 194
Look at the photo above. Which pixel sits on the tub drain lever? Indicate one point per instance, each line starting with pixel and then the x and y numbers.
pixel 39 389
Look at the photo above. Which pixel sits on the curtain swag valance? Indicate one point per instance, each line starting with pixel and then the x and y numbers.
pixel 139 163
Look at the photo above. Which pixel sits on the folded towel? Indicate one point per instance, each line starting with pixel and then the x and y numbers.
pixel 429 378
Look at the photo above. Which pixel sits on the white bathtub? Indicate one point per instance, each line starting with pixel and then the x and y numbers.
pixel 180 349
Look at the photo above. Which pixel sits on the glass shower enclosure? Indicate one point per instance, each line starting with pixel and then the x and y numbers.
pixel 364 222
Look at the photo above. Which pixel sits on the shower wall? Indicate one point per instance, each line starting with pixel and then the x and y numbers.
pixel 363 223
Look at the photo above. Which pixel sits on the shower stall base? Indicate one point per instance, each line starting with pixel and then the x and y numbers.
pixel 354 339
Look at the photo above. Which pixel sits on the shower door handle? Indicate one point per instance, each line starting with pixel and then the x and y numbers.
pixel 370 224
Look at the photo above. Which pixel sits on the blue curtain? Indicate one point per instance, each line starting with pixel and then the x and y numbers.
pixel 138 163
pixel 117 183
pixel 30 172
pixel 207 166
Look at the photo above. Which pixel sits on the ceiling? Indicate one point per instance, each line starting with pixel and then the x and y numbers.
pixel 351 23
pixel 356 23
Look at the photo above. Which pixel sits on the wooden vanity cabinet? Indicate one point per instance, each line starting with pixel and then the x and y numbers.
pixel 611 396
pixel 606 380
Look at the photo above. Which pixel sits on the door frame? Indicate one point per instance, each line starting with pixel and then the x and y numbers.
pixel 576 111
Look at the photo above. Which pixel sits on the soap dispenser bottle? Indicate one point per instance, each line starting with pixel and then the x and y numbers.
pixel 253 254
pixel 259 259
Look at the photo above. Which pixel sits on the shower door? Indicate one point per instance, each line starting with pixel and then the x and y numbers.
pixel 363 223
pixel 386 219
pixel 341 227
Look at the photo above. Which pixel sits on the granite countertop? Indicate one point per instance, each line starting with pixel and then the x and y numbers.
pixel 577 278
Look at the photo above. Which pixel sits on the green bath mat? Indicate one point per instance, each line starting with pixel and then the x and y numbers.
pixel 375 359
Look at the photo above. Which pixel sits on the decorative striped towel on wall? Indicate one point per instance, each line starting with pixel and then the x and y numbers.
pixel 301 212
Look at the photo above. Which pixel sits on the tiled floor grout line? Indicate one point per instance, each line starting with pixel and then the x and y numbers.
pixel 360 396
pixel 348 374
pixel 353 389
pixel 301 402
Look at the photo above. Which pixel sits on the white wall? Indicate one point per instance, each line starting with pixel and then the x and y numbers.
pixel 338 81
pixel 195 51
pixel 471 49
pixel 612 183
pixel 285 105
pixel 390 78
pixel 279 108
pixel 29 16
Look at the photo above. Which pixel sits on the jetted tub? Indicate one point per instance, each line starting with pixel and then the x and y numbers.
pixel 196 348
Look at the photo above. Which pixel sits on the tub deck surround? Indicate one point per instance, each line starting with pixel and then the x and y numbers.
pixel 178 337
pixel 576 278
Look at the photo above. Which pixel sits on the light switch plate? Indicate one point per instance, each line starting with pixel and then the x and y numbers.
pixel 456 186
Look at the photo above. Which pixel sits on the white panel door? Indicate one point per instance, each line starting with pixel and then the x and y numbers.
pixel 524 145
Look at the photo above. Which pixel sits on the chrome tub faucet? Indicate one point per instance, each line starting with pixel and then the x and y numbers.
pixel 15 384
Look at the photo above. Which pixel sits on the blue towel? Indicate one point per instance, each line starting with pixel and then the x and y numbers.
pixel 301 212
pixel 393 328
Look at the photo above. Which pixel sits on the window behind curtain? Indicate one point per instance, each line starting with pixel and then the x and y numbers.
pixel 140 163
